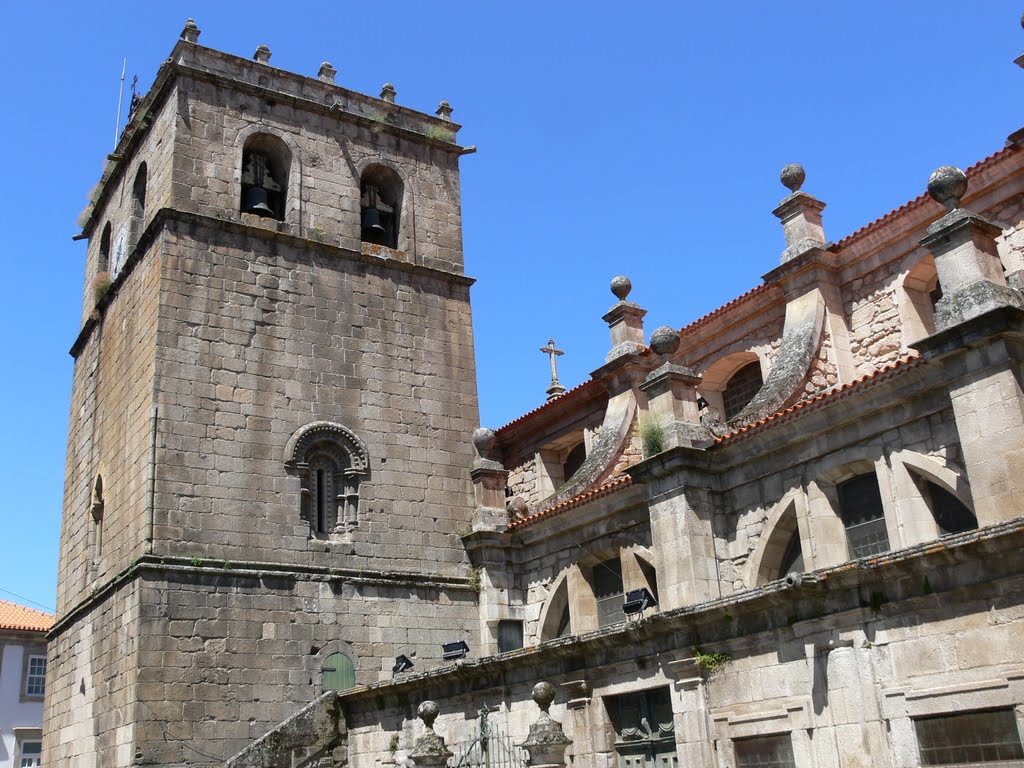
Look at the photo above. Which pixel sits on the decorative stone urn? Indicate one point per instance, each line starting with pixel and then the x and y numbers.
pixel 547 741
pixel 430 749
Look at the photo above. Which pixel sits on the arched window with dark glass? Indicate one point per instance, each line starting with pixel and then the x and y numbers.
pixel 742 387
pixel 951 514
pixel 860 507
pixel 266 162
pixel 380 204
pixel 793 557
pixel 574 460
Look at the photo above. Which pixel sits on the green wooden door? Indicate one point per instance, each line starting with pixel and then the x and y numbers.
pixel 338 673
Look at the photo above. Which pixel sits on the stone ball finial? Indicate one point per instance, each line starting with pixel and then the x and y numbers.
pixel 792 177
pixel 427 712
pixel 621 286
pixel 483 440
pixel 948 185
pixel 190 33
pixel 1022 21
pixel 543 695
pixel 388 93
pixel 444 111
pixel 262 54
pixel 664 341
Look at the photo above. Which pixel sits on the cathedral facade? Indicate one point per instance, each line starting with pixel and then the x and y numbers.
pixel 786 534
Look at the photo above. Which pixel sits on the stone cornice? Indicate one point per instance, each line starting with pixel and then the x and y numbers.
pixel 258 570
pixel 165 216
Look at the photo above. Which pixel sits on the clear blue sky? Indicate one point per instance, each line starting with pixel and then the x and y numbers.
pixel 642 138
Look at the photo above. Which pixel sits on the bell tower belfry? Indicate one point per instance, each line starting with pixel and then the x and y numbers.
pixel 273 392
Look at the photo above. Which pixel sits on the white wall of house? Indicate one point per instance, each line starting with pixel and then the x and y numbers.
pixel 21 715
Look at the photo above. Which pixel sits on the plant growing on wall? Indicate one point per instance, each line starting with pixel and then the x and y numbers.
pixel 100 285
pixel 711 662
pixel 652 435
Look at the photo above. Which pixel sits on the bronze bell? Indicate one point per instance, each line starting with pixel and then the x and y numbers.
pixel 371 223
pixel 256 202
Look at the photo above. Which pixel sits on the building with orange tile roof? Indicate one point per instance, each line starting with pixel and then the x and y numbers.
pixel 22 683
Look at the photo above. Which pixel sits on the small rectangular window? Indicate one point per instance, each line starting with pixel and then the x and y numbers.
pixel 764 752
pixel 510 636
pixel 35 678
pixel 971 738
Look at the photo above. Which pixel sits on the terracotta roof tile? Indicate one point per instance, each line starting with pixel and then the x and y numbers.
pixel 918 201
pixel 705 319
pixel 574 392
pixel 618 484
pixel 825 398
pixel 14 616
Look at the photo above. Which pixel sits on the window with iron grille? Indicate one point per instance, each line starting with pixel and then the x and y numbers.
pixel 970 739
pixel 860 506
pixel 764 752
pixel 741 389
pixel 608 591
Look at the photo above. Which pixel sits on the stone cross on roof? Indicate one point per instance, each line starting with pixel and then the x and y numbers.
pixel 555 389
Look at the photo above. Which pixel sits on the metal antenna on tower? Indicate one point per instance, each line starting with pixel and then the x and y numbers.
pixel 120 97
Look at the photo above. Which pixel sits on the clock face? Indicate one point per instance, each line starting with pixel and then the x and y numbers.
pixel 120 251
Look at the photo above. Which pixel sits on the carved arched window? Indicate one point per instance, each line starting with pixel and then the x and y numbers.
pixel 266 162
pixel 380 203
pixel 742 387
pixel 331 462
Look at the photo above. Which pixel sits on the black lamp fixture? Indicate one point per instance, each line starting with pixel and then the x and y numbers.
pixel 454 650
pixel 701 403
pixel 402 664
pixel 637 601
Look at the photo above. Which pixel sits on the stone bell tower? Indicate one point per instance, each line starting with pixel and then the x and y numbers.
pixel 273 393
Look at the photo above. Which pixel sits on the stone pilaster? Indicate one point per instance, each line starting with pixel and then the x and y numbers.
pixel 489 481
pixel 625 320
pixel 672 394
pixel 966 259
pixel 800 214
pixel 980 343
pixel 680 494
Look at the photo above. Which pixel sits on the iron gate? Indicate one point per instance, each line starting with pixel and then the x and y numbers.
pixel 491 748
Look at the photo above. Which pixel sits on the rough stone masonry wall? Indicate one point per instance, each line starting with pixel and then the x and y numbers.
pixel 90 685
pixel 110 434
pixel 259 338
pixel 226 657
pixel 156 152
pixel 328 157
pixel 877 337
